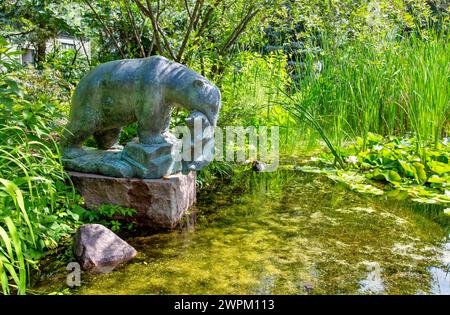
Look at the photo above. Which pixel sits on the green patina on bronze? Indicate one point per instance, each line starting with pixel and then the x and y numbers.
pixel 145 91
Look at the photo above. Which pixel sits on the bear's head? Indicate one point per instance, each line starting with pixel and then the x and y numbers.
pixel 205 98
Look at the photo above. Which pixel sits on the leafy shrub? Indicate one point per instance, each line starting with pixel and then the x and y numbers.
pixel 114 217
pixel 71 64
pixel 35 202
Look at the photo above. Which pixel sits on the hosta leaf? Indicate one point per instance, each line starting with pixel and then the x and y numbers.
pixel 378 175
pixel 408 169
pixel 419 173
pixel 439 167
pixel 439 180
pixel 393 177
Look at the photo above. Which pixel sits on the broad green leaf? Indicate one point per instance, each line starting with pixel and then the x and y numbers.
pixel 439 180
pixel 378 175
pixel 407 168
pixel 393 177
pixel 419 173
pixel 7 101
pixel 439 167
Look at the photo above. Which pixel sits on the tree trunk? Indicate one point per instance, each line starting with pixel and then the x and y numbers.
pixel 39 58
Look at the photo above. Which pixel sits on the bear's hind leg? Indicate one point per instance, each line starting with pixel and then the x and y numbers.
pixel 72 141
pixel 108 139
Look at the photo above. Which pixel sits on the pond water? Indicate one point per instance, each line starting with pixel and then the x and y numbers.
pixel 288 233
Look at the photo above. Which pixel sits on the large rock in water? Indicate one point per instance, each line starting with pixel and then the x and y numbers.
pixel 100 250
pixel 160 203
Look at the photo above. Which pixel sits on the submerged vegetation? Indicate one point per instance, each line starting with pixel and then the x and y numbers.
pixel 359 89
pixel 254 236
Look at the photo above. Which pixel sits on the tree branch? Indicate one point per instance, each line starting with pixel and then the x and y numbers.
pixel 239 29
pixel 157 32
pixel 167 44
pixel 85 50
pixel 205 21
pixel 149 12
pixel 187 9
pixel 133 25
pixel 151 46
pixel 192 22
pixel 106 28
pixel 20 33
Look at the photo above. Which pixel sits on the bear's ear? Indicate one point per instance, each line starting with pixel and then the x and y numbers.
pixel 198 84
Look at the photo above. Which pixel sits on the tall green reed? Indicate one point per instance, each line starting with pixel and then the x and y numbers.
pixel 390 87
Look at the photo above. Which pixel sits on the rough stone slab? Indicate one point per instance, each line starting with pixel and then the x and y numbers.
pixel 99 250
pixel 159 202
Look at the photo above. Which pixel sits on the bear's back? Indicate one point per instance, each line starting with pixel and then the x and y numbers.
pixel 130 78
pixel 154 69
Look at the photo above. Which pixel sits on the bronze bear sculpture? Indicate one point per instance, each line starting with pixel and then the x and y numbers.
pixel 118 93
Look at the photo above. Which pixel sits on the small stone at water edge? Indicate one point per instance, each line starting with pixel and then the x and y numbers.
pixel 100 250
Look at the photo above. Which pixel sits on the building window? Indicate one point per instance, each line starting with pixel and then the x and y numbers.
pixel 28 56
pixel 66 46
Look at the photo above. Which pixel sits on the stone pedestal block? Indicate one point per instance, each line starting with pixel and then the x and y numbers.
pixel 152 161
pixel 159 202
